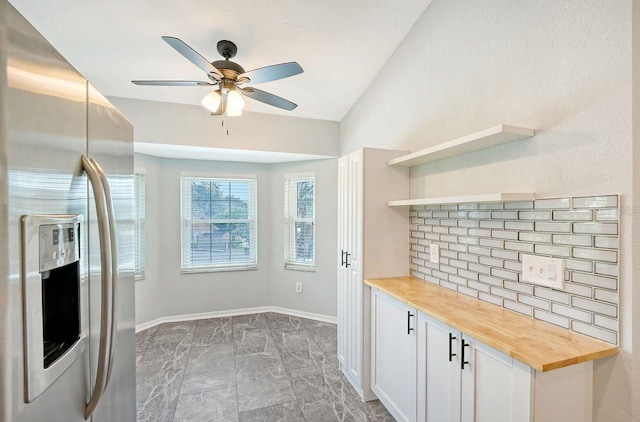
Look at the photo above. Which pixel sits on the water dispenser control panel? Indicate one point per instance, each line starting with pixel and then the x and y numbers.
pixel 59 245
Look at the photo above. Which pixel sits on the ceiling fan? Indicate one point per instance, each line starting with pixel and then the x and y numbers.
pixel 229 77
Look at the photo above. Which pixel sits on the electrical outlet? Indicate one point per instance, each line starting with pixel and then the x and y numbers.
pixel 544 271
pixel 434 254
pixel 298 287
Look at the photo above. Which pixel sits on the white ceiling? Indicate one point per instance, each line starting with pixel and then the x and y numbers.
pixel 341 44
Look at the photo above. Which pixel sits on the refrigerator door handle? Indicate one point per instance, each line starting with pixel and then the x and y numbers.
pixel 107 298
pixel 114 265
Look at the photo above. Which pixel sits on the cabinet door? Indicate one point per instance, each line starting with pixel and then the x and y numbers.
pixel 495 387
pixel 342 289
pixel 438 371
pixel 394 355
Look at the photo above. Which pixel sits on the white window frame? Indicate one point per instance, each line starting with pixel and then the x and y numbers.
pixel 139 183
pixel 185 214
pixel 291 218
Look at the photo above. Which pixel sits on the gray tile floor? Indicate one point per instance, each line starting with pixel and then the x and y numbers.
pixel 259 367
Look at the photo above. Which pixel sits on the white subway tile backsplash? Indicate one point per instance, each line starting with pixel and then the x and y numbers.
pixel 519 225
pixel 609 201
pixel 607 214
pixel 595 307
pixel 519 307
pixel 544 226
pixel 491 224
pixel 596 228
pixel 590 330
pixel 556 203
pixel 606 242
pixel 573 313
pixel 595 254
pixel 534 215
pixel 575 264
pixel 572 239
pixel 490 298
pixel 573 215
pixel 553 295
pixel 595 280
pixel 535 302
pixel 606 295
pixel 504 215
pixel 606 322
pixel 535 237
pixel 502 234
pixel 606 269
pixel 551 318
pixel 501 253
pixel 482 246
pixel 479 214
pixel 518 205
pixel 556 251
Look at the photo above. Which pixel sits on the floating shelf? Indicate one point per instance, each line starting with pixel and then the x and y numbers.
pixel 487 138
pixel 488 197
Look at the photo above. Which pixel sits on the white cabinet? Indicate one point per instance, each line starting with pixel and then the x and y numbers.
pixel 491 386
pixel 393 355
pixel 373 241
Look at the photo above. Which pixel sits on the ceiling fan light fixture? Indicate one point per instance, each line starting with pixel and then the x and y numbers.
pixel 212 101
pixel 234 112
pixel 234 101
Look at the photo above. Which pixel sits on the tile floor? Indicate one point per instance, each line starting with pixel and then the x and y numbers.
pixel 259 367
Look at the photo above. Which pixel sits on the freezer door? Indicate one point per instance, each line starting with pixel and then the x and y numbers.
pixel 45 104
pixel 110 143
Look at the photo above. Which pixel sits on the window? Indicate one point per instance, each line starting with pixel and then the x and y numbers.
pixel 139 224
pixel 219 224
pixel 299 223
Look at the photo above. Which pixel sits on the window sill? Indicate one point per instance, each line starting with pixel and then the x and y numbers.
pixel 305 268
pixel 139 277
pixel 217 270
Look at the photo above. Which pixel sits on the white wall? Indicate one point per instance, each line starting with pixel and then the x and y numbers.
pixel 319 288
pixel 180 124
pixel 166 291
pixel 561 67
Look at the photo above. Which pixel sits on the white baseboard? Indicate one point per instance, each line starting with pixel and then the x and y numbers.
pixel 235 312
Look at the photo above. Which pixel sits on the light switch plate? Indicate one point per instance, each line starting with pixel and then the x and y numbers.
pixel 434 253
pixel 543 271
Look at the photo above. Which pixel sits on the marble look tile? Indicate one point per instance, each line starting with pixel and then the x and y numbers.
pixel 209 368
pixel 231 417
pixel 249 341
pixel 297 349
pixel 376 412
pixel 308 323
pixel 326 337
pixel 212 322
pixel 325 411
pixel 280 322
pixel 159 357
pixel 215 331
pixel 286 412
pixel 265 391
pixel 251 321
pixel 207 406
pixel 157 394
pixel 254 367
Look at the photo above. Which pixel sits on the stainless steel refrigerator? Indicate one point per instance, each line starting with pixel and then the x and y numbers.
pixel 66 239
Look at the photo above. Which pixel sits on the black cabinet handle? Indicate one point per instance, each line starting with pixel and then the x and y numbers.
pixel 464 362
pixel 342 252
pixel 346 259
pixel 409 328
pixel 451 354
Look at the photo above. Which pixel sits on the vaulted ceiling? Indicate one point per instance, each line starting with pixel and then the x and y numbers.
pixel 341 44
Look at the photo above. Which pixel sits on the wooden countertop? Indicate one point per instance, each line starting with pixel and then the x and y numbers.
pixel 539 344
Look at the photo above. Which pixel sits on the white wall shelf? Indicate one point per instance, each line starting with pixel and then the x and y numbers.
pixel 488 197
pixel 487 138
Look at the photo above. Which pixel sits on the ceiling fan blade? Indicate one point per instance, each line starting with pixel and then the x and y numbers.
pixel 272 73
pixel 173 83
pixel 193 56
pixel 268 98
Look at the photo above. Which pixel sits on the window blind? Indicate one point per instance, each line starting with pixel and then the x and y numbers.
pixel 299 222
pixel 139 225
pixel 219 224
